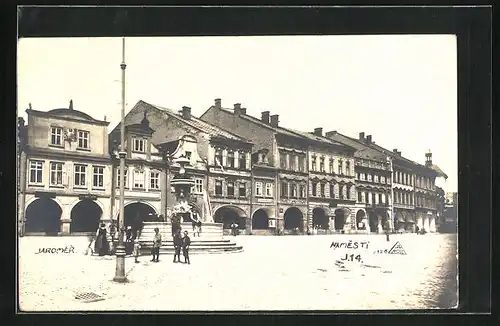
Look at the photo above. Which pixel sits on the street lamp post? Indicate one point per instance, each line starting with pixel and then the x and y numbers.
pixel 120 250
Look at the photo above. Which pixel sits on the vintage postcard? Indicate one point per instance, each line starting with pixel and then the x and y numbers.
pixel 237 173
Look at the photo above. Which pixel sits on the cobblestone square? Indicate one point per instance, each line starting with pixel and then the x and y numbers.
pixel 273 273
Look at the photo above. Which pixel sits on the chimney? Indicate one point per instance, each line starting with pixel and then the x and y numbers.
pixel 428 159
pixel 237 108
pixel 330 133
pixel 186 112
pixel 265 117
pixel 243 110
pixel 318 131
pixel 274 120
pixel 71 104
pixel 218 103
pixel 395 151
pixel 369 138
pixel 361 136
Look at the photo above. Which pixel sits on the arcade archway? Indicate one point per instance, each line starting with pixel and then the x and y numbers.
pixel 340 218
pixel 137 213
pixel 293 219
pixel 43 215
pixel 320 219
pixel 373 221
pixel 360 217
pixel 229 214
pixel 260 220
pixel 85 216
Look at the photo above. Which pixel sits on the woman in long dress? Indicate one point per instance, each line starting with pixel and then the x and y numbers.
pixel 101 242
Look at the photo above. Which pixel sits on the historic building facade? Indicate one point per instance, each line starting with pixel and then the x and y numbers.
pixel 220 162
pixel 373 207
pixel 65 173
pixel 145 177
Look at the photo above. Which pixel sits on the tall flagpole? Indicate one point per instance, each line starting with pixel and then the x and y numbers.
pixel 120 250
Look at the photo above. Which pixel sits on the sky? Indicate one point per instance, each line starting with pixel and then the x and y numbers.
pixel 401 89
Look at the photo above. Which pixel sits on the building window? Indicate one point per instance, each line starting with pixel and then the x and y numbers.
pixel 380 198
pixel 302 191
pixel 340 167
pixel 56 136
pixel 138 179
pixel 242 191
pixel 282 160
pixel 293 165
pixel 322 189
pixel 360 199
pixel 218 187
pixel 313 163
pixel 118 177
pixel 332 190
pixel 154 180
pixel 369 177
pixel 382 179
pixel 80 173
pixel 363 176
pixel 331 166
pixel 139 145
pixel 230 188
pixel 187 154
pixel 341 191
pixel 284 189
pixel 243 160
pixel 293 188
pixel 321 164
pixel 347 168
pixel 230 159
pixel 218 157
pixel 55 174
pixel 314 186
pixel 375 178
pixel 258 188
pixel 36 171
pixel 83 139
pixel 98 177
pixel 269 189
pixel 348 193
pixel 301 164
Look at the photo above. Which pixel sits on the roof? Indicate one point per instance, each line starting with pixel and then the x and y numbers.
pixel 200 125
pixel 67 113
pixel 439 171
pixel 322 139
pixel 279 129
pixel 362 150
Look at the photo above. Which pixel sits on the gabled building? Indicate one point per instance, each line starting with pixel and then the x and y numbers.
pixel 373 183
pixel 65 173
pixel 219 162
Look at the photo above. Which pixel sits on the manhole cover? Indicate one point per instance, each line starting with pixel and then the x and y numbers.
pixel 88 297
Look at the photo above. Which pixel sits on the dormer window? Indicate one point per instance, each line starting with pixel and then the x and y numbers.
pixel 139 145
pixel 83 139
pixel 188 155
pixel 56 136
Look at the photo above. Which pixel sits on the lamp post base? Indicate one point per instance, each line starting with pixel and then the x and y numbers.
pixel 120 265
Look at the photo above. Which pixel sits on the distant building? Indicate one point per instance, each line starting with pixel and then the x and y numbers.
pixel 65 173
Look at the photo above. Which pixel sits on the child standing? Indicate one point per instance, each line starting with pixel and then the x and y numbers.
pixel 137 247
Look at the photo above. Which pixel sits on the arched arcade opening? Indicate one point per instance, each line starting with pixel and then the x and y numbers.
pixel 320 218
pixel 360 220
pixel 341 215
pixel 85 216
pixel 137 213
pixel 229 214
pixel 260 220
pixel 293 219
pixel 43 215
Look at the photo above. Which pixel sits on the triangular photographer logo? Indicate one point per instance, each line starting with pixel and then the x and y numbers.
pixel 397 249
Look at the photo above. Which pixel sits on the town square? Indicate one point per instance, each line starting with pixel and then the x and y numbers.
pixel 155 205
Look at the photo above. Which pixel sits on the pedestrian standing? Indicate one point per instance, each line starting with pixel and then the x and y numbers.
pixel 177 246
pixel 101 244
pixel 193 224
pixel 186 242
pixel 137 247
pixel 233 228
pixel 156 246
pixel 198 227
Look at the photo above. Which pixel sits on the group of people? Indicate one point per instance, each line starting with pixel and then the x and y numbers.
pixel 103 243
pixel 180 242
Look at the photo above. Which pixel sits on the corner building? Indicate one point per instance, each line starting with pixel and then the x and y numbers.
pixel 64 173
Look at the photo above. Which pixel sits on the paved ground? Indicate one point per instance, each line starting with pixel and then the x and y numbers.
pixel 273 273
